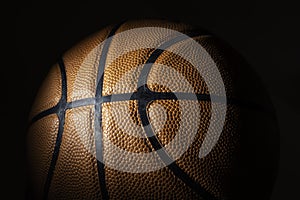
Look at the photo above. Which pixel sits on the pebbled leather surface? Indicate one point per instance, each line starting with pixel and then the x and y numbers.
pixel 75 175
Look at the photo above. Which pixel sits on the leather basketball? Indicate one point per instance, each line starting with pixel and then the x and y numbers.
pixel 150 109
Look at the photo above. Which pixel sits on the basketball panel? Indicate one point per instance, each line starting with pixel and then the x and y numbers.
pixel 49 92
pixel 75 175
pixel 81 63
pixel 177 26
pixel 41 138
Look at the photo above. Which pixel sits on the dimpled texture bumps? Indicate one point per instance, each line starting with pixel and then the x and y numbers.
pixel 75 174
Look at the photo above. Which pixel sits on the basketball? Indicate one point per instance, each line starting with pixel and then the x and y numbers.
pixel 150 109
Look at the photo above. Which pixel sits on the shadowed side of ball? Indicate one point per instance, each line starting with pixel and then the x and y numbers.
pixel 126 93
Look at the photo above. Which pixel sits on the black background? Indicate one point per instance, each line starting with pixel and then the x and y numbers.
pixel 266 33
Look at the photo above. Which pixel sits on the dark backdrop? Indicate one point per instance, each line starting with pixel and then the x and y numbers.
pixel 266 33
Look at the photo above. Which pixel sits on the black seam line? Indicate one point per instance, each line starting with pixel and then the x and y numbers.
pixel 81 102
pixel 157 52
pixel 166 158
pixel 156 96
pixel 98 113
pixel 45 113
pixel 60 111
pixel 69 105
pixel 187 96
pixel 145 95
